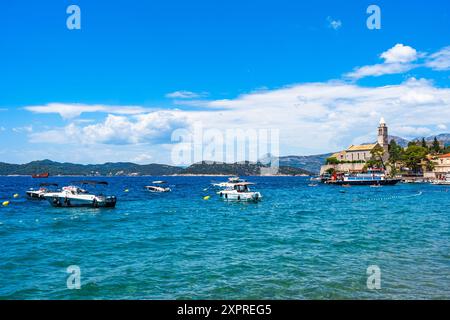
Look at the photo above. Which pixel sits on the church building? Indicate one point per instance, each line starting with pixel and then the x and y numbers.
pixel 357 155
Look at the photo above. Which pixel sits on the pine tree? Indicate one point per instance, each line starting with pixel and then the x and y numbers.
pixel 436 146
pixel 424 144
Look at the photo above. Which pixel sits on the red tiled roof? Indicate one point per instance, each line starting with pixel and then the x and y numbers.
pixel 447 155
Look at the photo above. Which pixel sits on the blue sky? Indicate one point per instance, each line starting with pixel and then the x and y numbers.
pixel 137 63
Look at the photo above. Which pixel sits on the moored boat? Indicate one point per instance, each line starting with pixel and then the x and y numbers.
pixel 370 178
pixel 445 181
pixel 74 196
pixel 158 187
pixel 229 183
pixel 40 175
pixel 240 192
pixel 39 193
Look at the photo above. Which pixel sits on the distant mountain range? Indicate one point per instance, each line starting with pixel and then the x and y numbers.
pixel 241 169
pixel 57 168
pixel 312 163
pixel 309 163
pixel 288 165
pixel 133 169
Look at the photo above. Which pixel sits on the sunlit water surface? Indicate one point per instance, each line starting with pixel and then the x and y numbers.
pixel 300 242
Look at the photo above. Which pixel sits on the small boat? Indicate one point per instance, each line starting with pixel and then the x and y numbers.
pixel 39 193
pixel 158 188
pixel 40 175
pixel 444 182
pixel 240 192
pixel 228 184
pixel 312 185
pixel 74 196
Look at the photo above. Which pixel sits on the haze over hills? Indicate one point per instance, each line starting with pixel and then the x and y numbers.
pixel 130 169
pixel 288 165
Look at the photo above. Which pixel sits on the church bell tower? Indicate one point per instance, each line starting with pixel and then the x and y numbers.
pixel 383 138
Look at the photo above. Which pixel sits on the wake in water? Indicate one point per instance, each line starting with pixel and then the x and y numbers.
pixel 391 197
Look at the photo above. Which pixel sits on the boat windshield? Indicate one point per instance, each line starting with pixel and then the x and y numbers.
pixel 241 188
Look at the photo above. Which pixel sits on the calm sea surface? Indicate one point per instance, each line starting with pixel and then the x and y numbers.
pixel 300 242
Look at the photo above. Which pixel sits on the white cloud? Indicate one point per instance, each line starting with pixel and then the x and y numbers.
pixel 397 59
pixel 185 95
pixel 68 111
pixel 409 131
pixel 154 127
pixel 334 23
pixel 379 70
pixel 142 158
pixel 439 60
pixel 24 129
pixel 400 54
pixel 311 118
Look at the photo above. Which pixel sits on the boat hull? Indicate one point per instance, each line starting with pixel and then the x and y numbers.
pixel 245 197
pixel 35 195
pixel 40 175
pixel 74 202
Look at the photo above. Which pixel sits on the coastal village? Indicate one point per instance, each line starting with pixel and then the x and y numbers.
pixel 419 161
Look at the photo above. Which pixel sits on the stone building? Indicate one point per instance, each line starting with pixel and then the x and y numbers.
pixel 355 157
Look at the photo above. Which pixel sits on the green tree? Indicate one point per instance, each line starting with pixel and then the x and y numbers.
pixel 376 161
pixel 395 152
pixel 436 146
pixel 332 160
pixel 424 143
pixel 413 156
pixel 395 156
pixel 446 149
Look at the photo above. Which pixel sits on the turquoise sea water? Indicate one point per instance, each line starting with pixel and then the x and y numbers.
pixel 300 242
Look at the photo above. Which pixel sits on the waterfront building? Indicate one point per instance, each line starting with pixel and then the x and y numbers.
pixel 354 158
pixel 441 165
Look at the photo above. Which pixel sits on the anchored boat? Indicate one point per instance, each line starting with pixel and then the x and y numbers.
pixel 370 178
pixel 240 192
pixel 39 193
pixel 40 175
pixel 445 181
pixel 228 184
pixel 158 187
pixel 74 196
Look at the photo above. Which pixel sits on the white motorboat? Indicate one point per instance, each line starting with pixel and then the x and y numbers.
pixel 240 192
pixel 38 194
pixel 158 188
pixel 228 184
pixel 73 196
